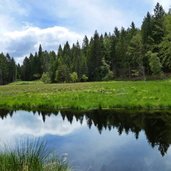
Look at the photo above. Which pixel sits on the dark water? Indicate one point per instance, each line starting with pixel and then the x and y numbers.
pixel 97 140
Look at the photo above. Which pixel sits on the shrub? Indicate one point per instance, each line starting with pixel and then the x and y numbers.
pixel 62 74
pixel 154 62
pixel 46 78
pixel 84 78
pixel 74 77
pixel 109 76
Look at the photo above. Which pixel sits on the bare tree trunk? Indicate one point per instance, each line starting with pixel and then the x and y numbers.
pixel 143 72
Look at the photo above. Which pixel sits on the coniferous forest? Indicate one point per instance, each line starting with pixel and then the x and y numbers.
pixel 126 54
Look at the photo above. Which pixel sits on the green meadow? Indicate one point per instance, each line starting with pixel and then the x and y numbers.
pixel 87 96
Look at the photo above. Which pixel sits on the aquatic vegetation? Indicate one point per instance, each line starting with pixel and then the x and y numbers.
pixel 30 156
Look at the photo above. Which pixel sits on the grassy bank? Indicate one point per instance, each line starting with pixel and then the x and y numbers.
pixel 30 156
pixel 83 96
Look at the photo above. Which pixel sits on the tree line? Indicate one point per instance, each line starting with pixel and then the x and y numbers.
pixel 132 53
pixel 8 70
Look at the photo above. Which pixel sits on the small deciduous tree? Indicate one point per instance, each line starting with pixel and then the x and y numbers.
pixel 74 77
pixel 154 63
pixel 84 78
pixel 62 74
pixel 46 78
pixel 109 76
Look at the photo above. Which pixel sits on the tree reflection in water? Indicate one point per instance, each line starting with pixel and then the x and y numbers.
pixel 156 125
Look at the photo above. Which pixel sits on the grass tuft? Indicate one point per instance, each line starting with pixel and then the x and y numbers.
pixel 30 155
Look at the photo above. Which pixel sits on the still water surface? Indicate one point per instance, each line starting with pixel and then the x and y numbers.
pixel 97 140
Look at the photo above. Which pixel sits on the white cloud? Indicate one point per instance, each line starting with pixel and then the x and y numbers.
pixel 94 14
pixel 83 16
pixel 10 10
pixel 26 124
pixel 21 43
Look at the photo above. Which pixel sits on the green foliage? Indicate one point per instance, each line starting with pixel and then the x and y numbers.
pixel 165 45
pixel 95 58
pixel 158 26
pixel 135 57
pixel 154 62
pixel 74 77
pixel 109 76
pixel 84 78
pixel 30 155
pixel 104 71
pixel 146 32
pixel 79 64
pixel 8 69
pixel 62 74
pixel 46 78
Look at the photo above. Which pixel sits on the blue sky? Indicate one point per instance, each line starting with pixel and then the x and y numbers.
pixel 24 24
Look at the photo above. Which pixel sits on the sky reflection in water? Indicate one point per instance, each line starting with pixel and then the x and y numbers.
pixel 87 149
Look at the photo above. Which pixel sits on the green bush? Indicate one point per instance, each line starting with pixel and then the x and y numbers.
pixel 74 77
pixel 62 74
pixel 84 78
pixel 46 78
pixel 154 62
pixel 109 76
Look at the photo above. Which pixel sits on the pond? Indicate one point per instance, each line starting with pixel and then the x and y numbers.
pixel 97 140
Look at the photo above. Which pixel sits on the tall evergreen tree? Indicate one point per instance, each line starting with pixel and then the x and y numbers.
pixel 165 45
pixel 7 69
pixel 135 57
pixel 96 56
pixel 146 32
pixel 158 26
